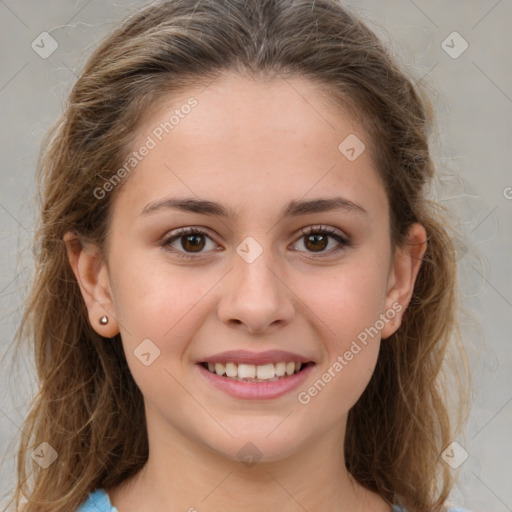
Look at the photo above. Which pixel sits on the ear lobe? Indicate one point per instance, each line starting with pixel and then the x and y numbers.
pixel 408 260
pixel 91 273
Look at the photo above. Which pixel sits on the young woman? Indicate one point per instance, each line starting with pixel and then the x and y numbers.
pixel 243 297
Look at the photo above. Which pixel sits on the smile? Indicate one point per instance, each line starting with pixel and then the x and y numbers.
pixel 254 373
pixel 251 381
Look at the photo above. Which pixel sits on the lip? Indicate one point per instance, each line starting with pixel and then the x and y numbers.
pixel 256 358
pixel 256 390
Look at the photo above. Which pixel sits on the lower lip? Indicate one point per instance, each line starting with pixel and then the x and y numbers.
pixel 256 390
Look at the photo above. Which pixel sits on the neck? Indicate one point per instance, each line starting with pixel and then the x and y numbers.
pixel 183 475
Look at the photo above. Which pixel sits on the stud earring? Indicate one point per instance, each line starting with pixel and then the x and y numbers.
pixel 104 320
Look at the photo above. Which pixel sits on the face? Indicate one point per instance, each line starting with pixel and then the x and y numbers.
pixel 319 281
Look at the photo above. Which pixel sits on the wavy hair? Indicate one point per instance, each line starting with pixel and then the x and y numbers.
pixel 88 407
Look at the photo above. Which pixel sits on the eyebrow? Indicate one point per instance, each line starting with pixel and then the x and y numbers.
pixel 292 209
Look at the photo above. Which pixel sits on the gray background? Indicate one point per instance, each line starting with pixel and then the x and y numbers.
pixel 473 100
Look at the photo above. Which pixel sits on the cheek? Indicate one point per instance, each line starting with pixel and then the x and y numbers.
pixel 151 294
pixel 347 309
pixel 348 299
pixel 164 305
pixel 158 314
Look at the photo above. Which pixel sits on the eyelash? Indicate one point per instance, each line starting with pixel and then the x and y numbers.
pixel 343 242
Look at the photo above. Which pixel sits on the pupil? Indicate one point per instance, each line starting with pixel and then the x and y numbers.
pixel 193 245
pixel 315 237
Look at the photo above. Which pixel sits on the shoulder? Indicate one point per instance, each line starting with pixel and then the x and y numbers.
pixel 449 508
pixel 97 501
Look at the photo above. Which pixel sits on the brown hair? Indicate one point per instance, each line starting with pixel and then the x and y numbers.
pixel 88 407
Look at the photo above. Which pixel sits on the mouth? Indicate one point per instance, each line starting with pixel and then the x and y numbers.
pixel 243 372
pixel 250 375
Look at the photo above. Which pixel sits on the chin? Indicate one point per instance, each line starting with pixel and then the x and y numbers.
pixel 261 443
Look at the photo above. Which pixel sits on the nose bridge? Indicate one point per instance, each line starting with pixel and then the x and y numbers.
pixel 255 267
pixel 256 295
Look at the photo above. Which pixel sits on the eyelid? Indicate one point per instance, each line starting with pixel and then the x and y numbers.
pixel 324 229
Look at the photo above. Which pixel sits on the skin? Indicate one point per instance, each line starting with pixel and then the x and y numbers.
pixel 253 146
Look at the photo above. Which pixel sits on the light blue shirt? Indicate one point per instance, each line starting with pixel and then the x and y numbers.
pixel 98 501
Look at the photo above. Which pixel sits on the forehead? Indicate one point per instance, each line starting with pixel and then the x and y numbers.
pixel 266 140
pixel 232 104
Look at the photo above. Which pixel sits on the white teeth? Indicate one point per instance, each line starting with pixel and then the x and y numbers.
pixel 246 371
pixel 231 369
pixel 266 371
pixel 250 371
pixel 280 369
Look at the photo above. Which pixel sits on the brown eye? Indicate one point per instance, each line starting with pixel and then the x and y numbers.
pixel 192 243
pixel 316 240
pixel 192 240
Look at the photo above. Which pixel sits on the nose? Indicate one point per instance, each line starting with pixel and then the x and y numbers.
pixel 256 297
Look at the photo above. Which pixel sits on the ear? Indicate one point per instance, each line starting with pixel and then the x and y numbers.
pixel 91 273
pixel 405 268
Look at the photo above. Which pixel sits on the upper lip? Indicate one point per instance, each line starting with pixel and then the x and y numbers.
pixel 255 358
